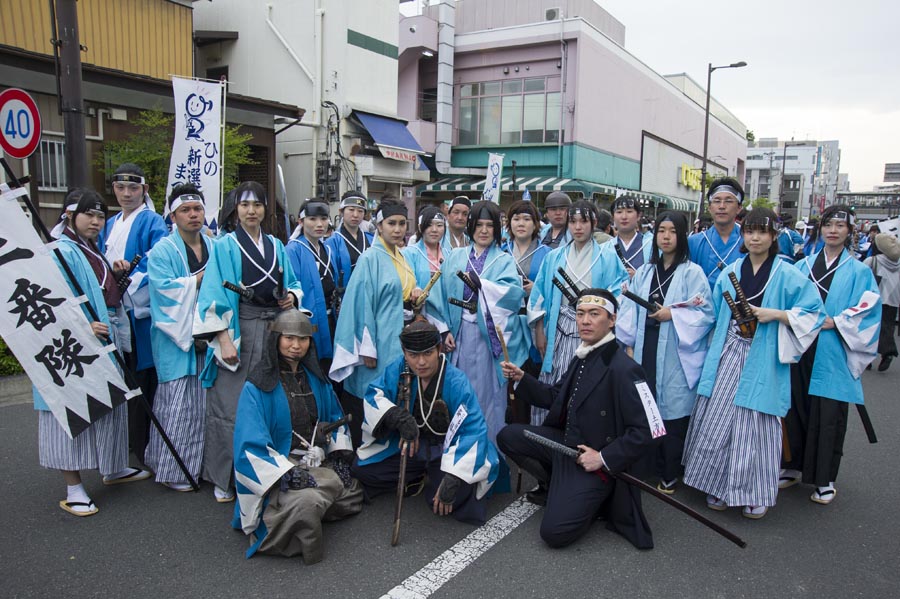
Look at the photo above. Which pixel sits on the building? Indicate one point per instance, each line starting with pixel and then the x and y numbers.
pixel 811 167
pixel 118 82
pixel 892 172
pixel 554 90
pixel 338 58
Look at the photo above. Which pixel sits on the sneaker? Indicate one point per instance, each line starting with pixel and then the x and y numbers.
pixel 755 512
pixel 714 503
pixel 667 486
pixel 823 495
pixel 788 478
pixel 223 495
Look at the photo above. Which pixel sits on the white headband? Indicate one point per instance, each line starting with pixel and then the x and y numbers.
pixel 188 198
pixel 597 300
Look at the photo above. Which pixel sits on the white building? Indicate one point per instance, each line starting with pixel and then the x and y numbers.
pixel 338 59
pixel 815 164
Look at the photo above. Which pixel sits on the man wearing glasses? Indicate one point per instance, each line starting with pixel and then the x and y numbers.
pixel 720 245
pixel 132 233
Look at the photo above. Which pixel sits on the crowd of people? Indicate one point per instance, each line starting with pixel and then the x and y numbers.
pixel 301 378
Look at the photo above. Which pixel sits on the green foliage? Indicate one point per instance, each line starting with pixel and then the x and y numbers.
pixel 764 203
pixel 8 363
pixel 150 147
pixel 751 137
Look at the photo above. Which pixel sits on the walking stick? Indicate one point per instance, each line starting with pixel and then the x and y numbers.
pixel 126 372
pixel 403 394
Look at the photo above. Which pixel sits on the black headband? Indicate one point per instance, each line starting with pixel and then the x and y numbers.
pixel 315 209
pixel 389 210
pixel 419 337
pixel 128 178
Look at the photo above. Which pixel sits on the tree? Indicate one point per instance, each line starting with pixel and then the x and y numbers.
pixel 764 203
pixel 150 147
pixel 751 137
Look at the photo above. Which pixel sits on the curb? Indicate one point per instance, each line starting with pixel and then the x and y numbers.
pixel 15 389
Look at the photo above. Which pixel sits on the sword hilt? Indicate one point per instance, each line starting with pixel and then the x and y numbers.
pixel 245 293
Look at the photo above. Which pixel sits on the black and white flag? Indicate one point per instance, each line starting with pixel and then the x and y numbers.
pixel 43 324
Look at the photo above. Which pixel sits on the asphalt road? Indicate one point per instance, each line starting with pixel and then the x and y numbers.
pixel 150 542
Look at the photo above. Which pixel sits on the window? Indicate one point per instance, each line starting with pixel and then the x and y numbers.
pixel 428 107
pixel 53 175
pixel 509 112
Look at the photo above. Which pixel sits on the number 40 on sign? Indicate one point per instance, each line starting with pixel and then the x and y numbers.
pixel 20 123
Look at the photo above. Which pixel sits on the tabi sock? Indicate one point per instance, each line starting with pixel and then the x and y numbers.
pixel 76 493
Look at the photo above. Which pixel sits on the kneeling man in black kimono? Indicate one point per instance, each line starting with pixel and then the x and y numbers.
pixel 597 407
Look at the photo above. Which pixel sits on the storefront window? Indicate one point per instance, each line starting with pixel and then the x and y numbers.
pixel 468 121
pixel 510 112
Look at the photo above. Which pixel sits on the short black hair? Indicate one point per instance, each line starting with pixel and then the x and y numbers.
pixel 184 189
pixel 477 213
pixel 761 217
pixel 525 207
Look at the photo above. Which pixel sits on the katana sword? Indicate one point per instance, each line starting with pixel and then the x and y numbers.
pixel 631 480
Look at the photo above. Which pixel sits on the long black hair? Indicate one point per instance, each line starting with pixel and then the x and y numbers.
pixel 485 210
pixel 682 253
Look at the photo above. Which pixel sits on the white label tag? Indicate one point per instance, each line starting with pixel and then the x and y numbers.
pixel 457 421
pixel 657 428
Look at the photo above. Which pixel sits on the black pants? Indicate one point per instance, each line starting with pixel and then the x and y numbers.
pixel 353 406
pixel 574 497
pixel 816 427
pixel 887 346
pixel 671 448
pixel 138 418
pixel 381 478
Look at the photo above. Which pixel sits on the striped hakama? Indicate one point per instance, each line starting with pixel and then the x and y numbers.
pixel 567 341
pixel 732 453
pixel 180 407
pixel 222 397
pixel 102 446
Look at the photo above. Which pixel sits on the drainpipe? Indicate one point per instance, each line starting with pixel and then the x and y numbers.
pixel 564 55
pixel 444 128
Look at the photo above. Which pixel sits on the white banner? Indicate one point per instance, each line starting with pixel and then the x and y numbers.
pixel 42 323
pixel 197 149
pixel 891 226
pixel 494 174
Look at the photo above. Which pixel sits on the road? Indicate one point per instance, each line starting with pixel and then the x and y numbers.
pixel 150 542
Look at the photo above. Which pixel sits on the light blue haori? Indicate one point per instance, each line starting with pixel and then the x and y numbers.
pixel 843 353
pixel 340 252
pixel 262 444
pixel 305 265
pixel 467 454
pixel 604 271
pixel 765 382
pixel 371 320
pixel 173 305
pixel 146 230
pixel 682 340
pixel 708 251
pixel 217 307
pixel 433 311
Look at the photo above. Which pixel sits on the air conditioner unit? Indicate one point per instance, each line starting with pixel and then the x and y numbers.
pixel 552 14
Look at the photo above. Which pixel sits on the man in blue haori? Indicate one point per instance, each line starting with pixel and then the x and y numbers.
pixel 720 245
pixel 443 431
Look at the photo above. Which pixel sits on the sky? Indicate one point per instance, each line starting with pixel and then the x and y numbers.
pixel 826 69
pixel 821 70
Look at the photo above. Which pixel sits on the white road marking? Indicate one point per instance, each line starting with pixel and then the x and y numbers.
pixel 453 561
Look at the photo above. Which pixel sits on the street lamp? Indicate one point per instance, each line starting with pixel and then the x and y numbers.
pixel 734 65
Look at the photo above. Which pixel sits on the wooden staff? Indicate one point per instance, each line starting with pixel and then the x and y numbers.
pixel 403 396
pixel 420 301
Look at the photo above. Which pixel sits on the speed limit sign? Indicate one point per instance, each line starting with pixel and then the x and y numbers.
pixel 20 123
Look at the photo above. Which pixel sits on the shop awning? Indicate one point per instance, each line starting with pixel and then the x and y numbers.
pixel 391 137
pixel 532 184
pixel 679 204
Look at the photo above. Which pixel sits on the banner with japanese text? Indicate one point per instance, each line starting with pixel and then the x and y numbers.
pixel 42 323
pixel 197 148
pixel 494 174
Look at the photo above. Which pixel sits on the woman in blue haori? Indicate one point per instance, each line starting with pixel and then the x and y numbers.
pixel 669 343
pixel 551 316
pixel 525 247
pixel 826 380
pixel 290 477
pixel 235 324
pixel 349 241
pixel 104 444
pixel 376 304
pixel 634 245
pixel 733 446
pixel 313 263
pixel 497 300
pixel 426 256
pixel 175 270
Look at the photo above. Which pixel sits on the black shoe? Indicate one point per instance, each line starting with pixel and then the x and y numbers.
pixel 885 363
pixel 538 496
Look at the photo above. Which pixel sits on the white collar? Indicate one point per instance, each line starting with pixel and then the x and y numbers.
pixel 583 350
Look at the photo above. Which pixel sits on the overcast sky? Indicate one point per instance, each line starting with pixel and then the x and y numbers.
pixel 826 69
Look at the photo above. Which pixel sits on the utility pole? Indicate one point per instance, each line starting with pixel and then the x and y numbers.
pixel 71 100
